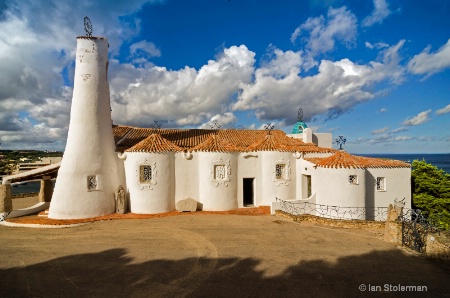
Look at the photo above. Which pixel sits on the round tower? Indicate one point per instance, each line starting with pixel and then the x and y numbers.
pixel 88 178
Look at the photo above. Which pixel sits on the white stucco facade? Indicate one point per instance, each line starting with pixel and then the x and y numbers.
pixel 220 169
pixel 88 176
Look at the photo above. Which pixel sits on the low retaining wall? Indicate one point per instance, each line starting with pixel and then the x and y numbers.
pixel 25 195
pixel 341 223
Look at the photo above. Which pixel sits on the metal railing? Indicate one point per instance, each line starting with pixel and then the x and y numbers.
pixel 334 212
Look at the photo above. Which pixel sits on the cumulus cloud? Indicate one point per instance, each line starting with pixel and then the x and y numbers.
pixel 36 50
pixel 323 32
pixel 144 47
pixel 444 110
pixel 380 12
pixel 430 63
pixel 336 87
pixel 420 118
pixel 185 96
pixel 226 120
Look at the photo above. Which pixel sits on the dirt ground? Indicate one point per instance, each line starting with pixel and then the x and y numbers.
pixel 210 255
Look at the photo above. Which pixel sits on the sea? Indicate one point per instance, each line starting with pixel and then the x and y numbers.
pixel 442 161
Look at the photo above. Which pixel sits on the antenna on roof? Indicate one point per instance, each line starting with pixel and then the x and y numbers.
pixel 341 141
pixel 88 26
pixel 269 127
pixel 300 115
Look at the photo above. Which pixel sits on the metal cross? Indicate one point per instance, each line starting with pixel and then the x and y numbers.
pixel 88 26
pixel 300 115
pixel 341 141
pixel 156 125
pixel 269 127
pixel 215 125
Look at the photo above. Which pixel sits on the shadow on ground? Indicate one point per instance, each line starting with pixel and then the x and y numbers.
pixel 112 273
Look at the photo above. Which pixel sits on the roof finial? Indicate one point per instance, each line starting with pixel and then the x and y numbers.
pixel 214 125
pixel 300 115
pixel 269 127
pixel 156 125
pixel 341 141
pixel 88 26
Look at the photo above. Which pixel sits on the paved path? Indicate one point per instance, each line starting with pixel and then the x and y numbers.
pixel 207 256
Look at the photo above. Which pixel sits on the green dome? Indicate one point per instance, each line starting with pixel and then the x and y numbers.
pixel 299 127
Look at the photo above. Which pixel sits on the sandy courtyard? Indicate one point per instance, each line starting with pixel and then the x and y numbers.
pixel 208 256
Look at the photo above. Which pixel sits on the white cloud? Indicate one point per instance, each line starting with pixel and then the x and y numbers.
pixel 380 131
pixel 144 47
pixel 336 87
pixel 430 63
pixel 380 12
pixel 420 118
pixel 444 110
pixel 185 96
pixel 226 120
pixel 377 45
pixel 339 25
pixel 382 110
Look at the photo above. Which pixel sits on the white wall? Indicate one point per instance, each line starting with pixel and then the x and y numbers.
pixel 398 186
pixel 272 188
pixel 157 196
pixel 332 187
pixel 217 195
pixel 186 176
pixel 90 143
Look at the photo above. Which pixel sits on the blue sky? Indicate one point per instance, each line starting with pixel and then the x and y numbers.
pixel 376 72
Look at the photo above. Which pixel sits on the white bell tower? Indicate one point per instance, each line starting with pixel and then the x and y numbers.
pixel 88 178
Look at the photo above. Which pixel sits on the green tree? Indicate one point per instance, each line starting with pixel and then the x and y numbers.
pixel 431 191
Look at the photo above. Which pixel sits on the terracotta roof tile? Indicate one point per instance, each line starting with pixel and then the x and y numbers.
pixel 243 140
pixel 216 144
pixel 154 143
pixel 342 159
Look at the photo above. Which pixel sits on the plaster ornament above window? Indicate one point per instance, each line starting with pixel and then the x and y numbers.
pixel 92 183
pixel 282 172
pixel 353 179
pixel 381 183
pixel 220 172
pixel 147 174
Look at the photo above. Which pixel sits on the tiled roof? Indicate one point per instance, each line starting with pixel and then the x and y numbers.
pixel 154 143
pixel 242 140
pixel 269 143
pixel 342 159
pixel 216 144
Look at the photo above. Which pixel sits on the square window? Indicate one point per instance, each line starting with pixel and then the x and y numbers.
pixel 381 183
pixel 220 172
pixel 353 179
pixel 92 182
pixel 146 173
pixel 280 172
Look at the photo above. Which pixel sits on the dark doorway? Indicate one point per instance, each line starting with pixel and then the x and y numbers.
pixel 248 191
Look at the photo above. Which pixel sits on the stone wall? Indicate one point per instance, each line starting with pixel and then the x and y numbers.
pixel 341 223
pixel 25 195
pixel 438 246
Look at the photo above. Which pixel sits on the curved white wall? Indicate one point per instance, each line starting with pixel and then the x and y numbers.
pixel 90 143
pixel 332 187
pixel 217 195
pixel 271 187
pixel 153 197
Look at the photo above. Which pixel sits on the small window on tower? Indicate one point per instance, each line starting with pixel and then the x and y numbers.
pixel 92 183
pixel 146 173
pixel 220 172
pixel 353 179
pixel 381 183
pixel 280 171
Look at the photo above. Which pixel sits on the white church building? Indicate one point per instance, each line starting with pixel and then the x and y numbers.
pixel 221 169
